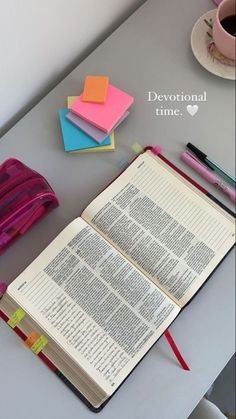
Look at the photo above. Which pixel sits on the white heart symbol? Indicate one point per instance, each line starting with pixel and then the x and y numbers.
pixel 192 109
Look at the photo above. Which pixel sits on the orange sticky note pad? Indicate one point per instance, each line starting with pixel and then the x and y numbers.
pixel 31 339
pixel 95 89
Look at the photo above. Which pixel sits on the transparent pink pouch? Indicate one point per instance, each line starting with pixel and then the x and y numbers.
pixel 25 197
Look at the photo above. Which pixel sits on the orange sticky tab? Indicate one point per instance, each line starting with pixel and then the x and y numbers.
pixel 31 339
pixel 95 89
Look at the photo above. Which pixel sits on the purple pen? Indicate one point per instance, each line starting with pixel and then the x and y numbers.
pixel 200 168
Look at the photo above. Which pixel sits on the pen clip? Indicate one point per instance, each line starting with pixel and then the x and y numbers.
pixel 198 155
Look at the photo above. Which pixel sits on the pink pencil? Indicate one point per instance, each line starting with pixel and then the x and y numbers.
pixel 210 176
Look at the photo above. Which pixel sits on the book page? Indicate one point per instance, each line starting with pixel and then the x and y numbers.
pixel 167 228
pixel 94 304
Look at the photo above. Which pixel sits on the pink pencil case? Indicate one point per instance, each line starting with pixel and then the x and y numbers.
pixel 25 197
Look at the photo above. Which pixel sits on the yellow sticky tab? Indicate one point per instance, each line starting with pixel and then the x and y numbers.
pixel 137 148
pixel 70 101
pixel 16 318
pixel 39 345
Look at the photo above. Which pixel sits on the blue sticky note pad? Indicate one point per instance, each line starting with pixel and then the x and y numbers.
pixel 74 138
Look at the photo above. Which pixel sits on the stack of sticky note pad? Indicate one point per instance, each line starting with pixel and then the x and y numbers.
pixel 89 121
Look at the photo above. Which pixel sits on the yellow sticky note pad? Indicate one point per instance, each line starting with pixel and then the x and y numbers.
pixel 39 345
pixel 109 147
pixel 71 100
pixel 16 318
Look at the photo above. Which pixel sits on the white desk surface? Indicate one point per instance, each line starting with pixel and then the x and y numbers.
pixel 150 51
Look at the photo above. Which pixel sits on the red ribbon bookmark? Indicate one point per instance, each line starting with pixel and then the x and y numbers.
pixel 176 350
pixel 3 288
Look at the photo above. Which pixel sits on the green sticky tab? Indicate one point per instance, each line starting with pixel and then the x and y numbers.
pixel 137 148
pixel 39 345
pixel 16 318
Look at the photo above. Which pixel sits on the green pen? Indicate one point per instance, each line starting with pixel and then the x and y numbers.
pixel 211 164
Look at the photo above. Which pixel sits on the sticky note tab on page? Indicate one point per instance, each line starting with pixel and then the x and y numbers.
pixel 137 148
pixel 16 318
pixel 39 345
pixel 31 339
pixel 95 89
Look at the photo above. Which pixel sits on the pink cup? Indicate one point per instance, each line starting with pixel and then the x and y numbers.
pixel 224 42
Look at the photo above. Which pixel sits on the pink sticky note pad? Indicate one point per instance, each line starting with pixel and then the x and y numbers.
pixel 104 116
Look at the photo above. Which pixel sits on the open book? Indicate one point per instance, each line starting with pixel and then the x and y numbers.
pixel 114 279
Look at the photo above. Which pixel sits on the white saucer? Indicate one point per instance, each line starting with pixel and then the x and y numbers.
pixel 205 51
